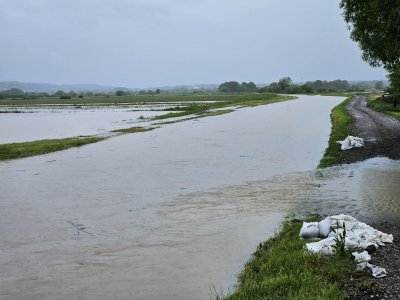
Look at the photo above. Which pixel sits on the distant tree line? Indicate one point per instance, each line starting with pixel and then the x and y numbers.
pixel 285 85
pixel 236 87
pixel 15 93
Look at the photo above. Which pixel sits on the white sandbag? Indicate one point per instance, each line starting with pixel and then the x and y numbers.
pixel 326 246
pixel 324 227
pixel 377 272
pixel 351 142
pixel 361 257
pixel 309 230
pixel 386 238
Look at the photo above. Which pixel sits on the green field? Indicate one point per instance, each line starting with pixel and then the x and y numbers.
pixel 137 99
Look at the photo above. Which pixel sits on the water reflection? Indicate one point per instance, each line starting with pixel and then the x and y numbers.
pixel 368 190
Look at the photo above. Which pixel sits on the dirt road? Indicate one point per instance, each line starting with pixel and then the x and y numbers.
pixel 380 131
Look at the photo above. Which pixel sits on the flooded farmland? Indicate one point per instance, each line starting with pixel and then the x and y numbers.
pixel 175 212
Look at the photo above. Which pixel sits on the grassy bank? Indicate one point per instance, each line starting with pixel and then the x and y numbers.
pixel 376 103
pixel 341 128
pixel 26 149
pixel 281 268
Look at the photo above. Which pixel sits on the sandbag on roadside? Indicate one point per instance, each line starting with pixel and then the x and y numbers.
pixel 356 235
pixel 351 142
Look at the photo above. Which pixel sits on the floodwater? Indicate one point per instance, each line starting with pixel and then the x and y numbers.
pixel 56 122
pixel 174 212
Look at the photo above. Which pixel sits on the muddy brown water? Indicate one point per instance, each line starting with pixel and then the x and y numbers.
pixel 175 212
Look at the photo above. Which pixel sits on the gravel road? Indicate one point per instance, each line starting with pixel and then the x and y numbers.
pixel 382 138
pixel 380 131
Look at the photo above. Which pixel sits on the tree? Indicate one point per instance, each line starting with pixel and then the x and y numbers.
pixel 229 87
pixel 119 93
pixel 375 26
pixel 379 85
pixel 284 83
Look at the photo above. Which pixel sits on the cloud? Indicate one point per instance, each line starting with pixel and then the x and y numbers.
pixel 156 42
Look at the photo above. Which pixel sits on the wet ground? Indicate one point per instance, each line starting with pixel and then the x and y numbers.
pixel 380 131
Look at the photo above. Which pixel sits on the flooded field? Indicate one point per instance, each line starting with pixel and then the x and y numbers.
pixel 24 124
pixel 174 212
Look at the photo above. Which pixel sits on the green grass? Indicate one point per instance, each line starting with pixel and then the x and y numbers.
pixel 206 114
pixel 138 99
pixel 377 104
pixel 281 268
pixel 134 129
pixel 203 109
pixel 341 128
pixel 217 113
pixel 27 149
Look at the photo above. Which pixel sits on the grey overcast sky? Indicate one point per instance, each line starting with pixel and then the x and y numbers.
pixel 143 43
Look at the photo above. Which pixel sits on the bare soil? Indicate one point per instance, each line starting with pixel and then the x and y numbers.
pixel 380 131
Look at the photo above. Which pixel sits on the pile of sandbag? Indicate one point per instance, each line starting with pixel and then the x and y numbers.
pixel 358 235
pixel 351 142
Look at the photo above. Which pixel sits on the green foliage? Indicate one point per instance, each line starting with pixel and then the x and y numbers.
pixel 379 85
pixel 340 239
pixel 236 87
pixel 119 93
pixel 284 83
pixel 381 105
pixel 374 25
pixel 286 86
pixel 26 149
pixel 281 268
pixel 341 128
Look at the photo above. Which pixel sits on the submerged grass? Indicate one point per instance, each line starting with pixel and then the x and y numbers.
pixel 341 128
pixel 27 149
pixel 203 109
pixel 134 129
pixel 281 268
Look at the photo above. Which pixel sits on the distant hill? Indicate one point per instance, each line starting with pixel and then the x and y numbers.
pixel 52 88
